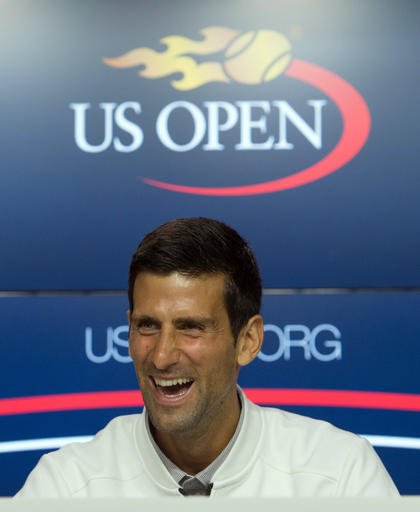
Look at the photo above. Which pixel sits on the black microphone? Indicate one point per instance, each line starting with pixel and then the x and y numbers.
pixel 193 487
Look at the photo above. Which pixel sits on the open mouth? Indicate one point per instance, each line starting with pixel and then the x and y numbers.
pixel 173 387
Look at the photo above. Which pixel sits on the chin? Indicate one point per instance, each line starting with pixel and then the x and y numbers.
pixel 171 423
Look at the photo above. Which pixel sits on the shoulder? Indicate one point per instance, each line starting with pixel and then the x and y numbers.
pixel 302 436
pixel 116 436
pixel 110 453
pixel 299 445
pixel 303 429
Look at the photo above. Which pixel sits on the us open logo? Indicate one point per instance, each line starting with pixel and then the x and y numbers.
pixel 247 63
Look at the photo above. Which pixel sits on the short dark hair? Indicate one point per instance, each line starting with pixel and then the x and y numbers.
pixel 197 246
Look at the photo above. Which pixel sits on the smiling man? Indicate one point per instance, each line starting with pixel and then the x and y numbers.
pixel 195 296
pixel 187 363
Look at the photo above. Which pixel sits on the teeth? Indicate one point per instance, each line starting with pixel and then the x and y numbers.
pixel 172 382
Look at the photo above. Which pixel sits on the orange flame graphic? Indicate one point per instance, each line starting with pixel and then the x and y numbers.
pixel 250 58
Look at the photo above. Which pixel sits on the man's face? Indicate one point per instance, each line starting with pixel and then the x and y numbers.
pixel 183 351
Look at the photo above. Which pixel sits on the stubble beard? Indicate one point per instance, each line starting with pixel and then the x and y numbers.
pixel 183 420
pixel 193 420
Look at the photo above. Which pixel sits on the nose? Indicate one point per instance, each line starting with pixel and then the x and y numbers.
pixel 165 352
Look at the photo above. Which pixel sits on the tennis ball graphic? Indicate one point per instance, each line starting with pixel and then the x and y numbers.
pixel 257 56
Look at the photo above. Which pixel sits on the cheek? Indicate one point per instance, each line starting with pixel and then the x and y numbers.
pixel 199 351
pixel 209 355
pixel 139 348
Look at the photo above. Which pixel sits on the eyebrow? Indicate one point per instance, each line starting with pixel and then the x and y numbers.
pixel 144 318
pixel 195 321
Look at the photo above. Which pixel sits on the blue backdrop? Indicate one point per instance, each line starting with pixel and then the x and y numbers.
pixel 295 122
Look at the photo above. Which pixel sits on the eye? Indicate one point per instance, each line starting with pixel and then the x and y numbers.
pixel 192 329
pixel 146 327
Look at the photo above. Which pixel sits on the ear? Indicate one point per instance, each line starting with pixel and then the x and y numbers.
pixel 250 340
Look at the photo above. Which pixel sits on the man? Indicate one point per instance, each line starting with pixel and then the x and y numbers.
pixel 194 294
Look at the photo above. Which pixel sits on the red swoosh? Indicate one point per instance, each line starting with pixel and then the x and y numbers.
pixel 356 126
pixel 262 396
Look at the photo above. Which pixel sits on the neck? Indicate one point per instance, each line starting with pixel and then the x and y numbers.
pixel 194 451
